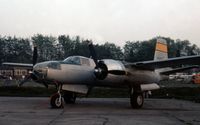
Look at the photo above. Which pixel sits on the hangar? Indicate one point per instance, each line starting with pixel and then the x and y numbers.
pixel 14 71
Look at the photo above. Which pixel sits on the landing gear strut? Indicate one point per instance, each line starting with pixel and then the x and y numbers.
pixel 136 98
pixel 56 99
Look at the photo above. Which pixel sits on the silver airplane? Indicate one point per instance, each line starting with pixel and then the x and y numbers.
pixel 78 74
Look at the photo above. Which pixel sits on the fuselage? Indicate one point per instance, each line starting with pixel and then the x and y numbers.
pixel 80 70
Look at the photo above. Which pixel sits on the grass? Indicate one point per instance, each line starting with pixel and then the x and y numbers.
pixel 186 93
pixel 190 92
pixel 26 91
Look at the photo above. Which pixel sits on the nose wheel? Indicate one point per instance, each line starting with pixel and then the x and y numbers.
pixel 56 99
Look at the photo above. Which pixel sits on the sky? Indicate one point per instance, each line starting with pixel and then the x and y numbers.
pixel 115 21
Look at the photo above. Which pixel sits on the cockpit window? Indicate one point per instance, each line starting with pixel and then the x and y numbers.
pixel 76 60
pixel 54 65
pixel 72 60
pixel 85 62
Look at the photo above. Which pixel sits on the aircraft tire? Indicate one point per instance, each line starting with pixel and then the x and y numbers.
pixel 137 100
pixel 54 101
pixel 69 97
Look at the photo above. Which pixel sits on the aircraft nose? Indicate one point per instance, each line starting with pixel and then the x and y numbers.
pixel 39 71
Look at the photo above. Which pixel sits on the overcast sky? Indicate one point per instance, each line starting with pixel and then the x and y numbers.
pixel 115 21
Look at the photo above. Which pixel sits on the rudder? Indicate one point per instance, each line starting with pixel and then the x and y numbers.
pixel 161 51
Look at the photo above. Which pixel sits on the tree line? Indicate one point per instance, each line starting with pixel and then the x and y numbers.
pixel 16 49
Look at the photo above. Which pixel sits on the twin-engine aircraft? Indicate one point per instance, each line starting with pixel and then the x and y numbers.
pixel 78 74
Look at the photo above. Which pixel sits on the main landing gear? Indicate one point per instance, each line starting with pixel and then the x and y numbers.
pixel 136 98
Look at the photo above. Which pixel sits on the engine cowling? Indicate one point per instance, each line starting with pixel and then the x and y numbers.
pixel 109 66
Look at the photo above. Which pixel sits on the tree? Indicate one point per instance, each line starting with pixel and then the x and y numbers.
pixel 46 47
pixel 15 49
pixel 112 51
pixel 139 51
pixel 67 45
pixel 2 50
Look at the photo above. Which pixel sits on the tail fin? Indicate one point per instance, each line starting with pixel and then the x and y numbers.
pixel 161 51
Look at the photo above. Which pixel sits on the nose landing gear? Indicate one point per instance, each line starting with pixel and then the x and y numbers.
pixel 56 99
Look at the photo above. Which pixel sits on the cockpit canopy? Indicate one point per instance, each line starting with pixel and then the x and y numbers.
pixel 47 64
pixel 79 60
pixel 72 60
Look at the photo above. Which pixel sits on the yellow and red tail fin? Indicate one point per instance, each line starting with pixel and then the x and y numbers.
pixel 161 51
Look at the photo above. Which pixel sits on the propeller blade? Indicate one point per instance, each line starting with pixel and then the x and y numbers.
pixel 34 61
pixel 92 52
pixel 46 85
pixel 35 55
pixel 25 80
pixel 34 76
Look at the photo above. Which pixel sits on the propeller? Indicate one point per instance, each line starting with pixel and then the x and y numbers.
pixel 101 69
pixel 35 55
pixel 33 75
pixel 24 80
pixel 34 61
pixel 92 52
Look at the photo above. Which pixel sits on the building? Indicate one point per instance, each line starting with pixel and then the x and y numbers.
pixel 15 70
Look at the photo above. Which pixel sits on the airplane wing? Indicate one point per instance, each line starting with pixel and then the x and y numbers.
pixel 171 62
pixel 168 72
pixel 17 64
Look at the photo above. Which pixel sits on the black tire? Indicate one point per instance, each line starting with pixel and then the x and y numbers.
pixel 54 101
pixel 137 100
pixel 69 97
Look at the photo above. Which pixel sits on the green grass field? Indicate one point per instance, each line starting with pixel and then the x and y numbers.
pixel 188 92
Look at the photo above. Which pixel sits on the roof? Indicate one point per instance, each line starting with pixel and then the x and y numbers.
pixel 17 64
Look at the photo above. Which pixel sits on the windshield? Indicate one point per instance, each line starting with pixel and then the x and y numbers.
pixel 72 60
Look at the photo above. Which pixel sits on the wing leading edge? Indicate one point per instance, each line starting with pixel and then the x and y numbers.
pixel 171 62
pixel 168 72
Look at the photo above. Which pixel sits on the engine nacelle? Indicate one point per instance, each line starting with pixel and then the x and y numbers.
pixel 108 66
pixel 114 65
